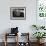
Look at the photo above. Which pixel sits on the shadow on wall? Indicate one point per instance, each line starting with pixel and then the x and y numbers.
pixel 7 31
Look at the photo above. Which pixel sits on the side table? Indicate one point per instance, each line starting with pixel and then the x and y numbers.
pixel 8 34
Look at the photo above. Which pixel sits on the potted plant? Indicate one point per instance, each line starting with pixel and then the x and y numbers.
pixel 38 27
pixel 39 35
pixel 35 26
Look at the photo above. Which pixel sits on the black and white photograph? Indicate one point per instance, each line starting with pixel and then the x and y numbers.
pixel 17 13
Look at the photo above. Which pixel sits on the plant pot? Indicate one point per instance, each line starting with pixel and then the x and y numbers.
pixel 40 40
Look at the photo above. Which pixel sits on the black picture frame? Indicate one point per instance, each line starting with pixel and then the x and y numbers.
pixel 18 13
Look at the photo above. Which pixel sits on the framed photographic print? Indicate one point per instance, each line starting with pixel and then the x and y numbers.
pixel 41 8
pixel 41 12
pixel 18 13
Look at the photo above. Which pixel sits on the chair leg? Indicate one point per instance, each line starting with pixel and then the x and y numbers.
pixel 5 43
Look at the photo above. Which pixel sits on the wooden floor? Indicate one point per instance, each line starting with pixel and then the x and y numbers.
pixel 13 44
